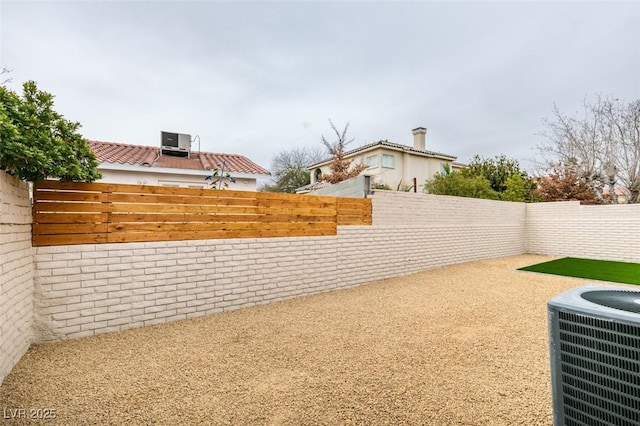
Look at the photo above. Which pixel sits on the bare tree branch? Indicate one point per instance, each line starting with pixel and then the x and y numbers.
pixel 5 70
pixel 289 168
pixel 602 147
pixel 340 168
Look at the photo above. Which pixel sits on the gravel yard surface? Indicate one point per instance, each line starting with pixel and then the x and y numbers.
pixel 460 345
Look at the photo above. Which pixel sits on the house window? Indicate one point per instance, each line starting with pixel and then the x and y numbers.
pixel 387 161
pixel 445 169
pixel 317 174
pixel 372 161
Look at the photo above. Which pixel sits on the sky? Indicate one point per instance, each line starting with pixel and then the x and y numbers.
pixel 258 78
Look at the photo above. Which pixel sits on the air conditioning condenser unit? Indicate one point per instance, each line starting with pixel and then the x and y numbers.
pixel 175 143
pixel 594 336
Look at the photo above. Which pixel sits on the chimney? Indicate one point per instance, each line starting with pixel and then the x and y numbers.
pixel 419 138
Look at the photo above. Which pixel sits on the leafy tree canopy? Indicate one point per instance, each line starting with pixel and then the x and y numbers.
pixel 499 178
pixel 498 171
pixel 519 189
pixel 37 143
pixel 459 185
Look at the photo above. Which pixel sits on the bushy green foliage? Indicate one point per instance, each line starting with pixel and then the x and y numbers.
pixel 499 178
pixel 504 175
pixel 459 185
pixel 516 189
pixel 37 143
pixel 496 170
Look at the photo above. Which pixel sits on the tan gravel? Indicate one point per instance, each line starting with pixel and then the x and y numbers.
pixel 464 345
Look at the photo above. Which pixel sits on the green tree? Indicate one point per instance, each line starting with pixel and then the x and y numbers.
pixel 459 185
pixel 501 173
pixel 37 143
pixel 516 189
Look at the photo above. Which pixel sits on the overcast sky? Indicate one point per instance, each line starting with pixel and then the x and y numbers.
pixel 258 78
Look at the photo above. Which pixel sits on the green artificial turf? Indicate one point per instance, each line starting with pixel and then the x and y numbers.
pixel 603 270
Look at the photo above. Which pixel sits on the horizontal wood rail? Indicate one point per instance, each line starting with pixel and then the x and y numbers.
pixel 86 213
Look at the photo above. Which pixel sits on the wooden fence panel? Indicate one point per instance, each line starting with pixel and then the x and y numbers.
pixel 81 213
pixel 354 211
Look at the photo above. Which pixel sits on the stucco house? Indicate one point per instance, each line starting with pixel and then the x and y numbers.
pixel 394 164
pixel 146 165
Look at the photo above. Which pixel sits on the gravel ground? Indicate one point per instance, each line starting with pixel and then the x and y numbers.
pixel 461 345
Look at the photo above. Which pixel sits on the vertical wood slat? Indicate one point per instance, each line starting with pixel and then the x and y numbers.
pixel 80 213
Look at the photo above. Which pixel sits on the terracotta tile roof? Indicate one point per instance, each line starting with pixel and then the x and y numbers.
pixel 123 153
pixel 236 163
pixel 178 162
pixel 112 152
pixel 618 191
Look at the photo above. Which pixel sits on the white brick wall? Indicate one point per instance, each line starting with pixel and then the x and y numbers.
pixel 16 272
pixel 90 289
pixel 609 232
pixel 417 209
pixel 416 231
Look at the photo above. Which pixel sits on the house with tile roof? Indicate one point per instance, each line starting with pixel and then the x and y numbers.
pixel 146 165
pixel 393 164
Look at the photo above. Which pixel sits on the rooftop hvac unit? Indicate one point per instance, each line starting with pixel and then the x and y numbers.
pixel 175 143
pixel 594 335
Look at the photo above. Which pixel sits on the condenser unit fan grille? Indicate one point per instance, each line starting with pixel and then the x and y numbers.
pixel 600 368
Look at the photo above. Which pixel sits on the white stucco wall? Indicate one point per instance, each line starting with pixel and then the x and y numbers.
pixel 406 167
pixel 149 177
pixel 421 168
